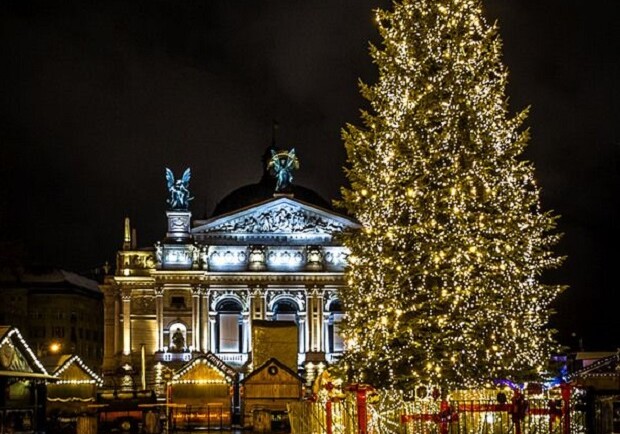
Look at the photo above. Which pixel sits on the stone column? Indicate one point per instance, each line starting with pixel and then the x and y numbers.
pixel 326 337
pixel 257 303
pixel 212 317
pixel 126 321
pixel 245 327
pixel 204 320
pixel 302 332
pixel 159 312
pixel 257 310
pixel 196 317
pixel 315 313
pixel 117 322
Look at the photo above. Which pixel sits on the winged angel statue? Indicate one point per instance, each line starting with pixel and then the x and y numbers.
pixel 281 166
pixel 179 193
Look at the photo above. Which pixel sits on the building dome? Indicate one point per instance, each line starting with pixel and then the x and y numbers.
pixel 265 189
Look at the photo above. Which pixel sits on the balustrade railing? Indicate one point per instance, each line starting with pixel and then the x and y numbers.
pixel 354 412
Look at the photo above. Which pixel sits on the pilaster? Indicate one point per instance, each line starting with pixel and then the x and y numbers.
pixel 204 319
pixel 126 297
pixel 196 293
pixel 159 312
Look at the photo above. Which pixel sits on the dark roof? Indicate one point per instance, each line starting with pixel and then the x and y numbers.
pixel 252 194
pixel 255 193
pixel 603 367
pixel 45 278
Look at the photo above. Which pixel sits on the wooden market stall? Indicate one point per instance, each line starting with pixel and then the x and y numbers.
pixel 75 389
pixel 23 380
pixel 204 386
pixel 596 384
pixel 266 393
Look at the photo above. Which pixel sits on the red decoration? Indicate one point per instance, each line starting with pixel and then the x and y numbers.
pixel 519 407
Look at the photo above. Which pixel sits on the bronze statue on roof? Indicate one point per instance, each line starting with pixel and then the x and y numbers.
pixel 281 166
pixel 178 190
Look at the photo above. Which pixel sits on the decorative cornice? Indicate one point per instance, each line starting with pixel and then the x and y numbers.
pixel 245 278
pixel 134 281
pixel 275 278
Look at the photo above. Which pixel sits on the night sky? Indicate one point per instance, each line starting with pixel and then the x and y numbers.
pixel 98 97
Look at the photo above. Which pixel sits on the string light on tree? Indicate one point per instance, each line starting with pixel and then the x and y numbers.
pixel 444 280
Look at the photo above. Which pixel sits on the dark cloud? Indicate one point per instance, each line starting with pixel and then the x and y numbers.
pixel 97 97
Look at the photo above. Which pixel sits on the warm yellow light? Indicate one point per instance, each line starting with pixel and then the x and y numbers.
pixel 54 347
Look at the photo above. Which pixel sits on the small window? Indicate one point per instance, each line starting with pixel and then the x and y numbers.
pixel 37 331
pixel 177 302
pixel 285 310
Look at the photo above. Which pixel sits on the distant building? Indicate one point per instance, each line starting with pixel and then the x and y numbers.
pixel 58 312
pixel 267 254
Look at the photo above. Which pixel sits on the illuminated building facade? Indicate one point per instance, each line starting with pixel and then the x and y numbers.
pixel 264 255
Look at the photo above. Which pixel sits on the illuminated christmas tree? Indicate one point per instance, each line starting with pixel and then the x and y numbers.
pixel 444 280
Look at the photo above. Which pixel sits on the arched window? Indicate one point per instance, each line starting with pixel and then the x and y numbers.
pixel 335 316
pixel 229 327
pixel 177 337
pixel 285 310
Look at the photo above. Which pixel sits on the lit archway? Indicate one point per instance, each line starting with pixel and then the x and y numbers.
pixel 177 337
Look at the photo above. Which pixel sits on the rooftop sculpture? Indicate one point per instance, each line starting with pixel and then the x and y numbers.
pixel 281 166
pixel 178 190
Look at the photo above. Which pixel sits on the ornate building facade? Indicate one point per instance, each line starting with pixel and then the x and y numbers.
pixel 267 256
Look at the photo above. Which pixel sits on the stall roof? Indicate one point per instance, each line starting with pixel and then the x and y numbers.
pixel 59 364
pixel 210 359
pixel 20 374
pixel 17 359
pixel 273 361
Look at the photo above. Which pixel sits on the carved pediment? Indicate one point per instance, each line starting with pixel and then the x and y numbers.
pixel 277 216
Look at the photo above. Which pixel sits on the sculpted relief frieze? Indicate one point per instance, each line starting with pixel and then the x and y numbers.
pixel 298 296
pixel 143 305
pixel 241 296
pixel 281 219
